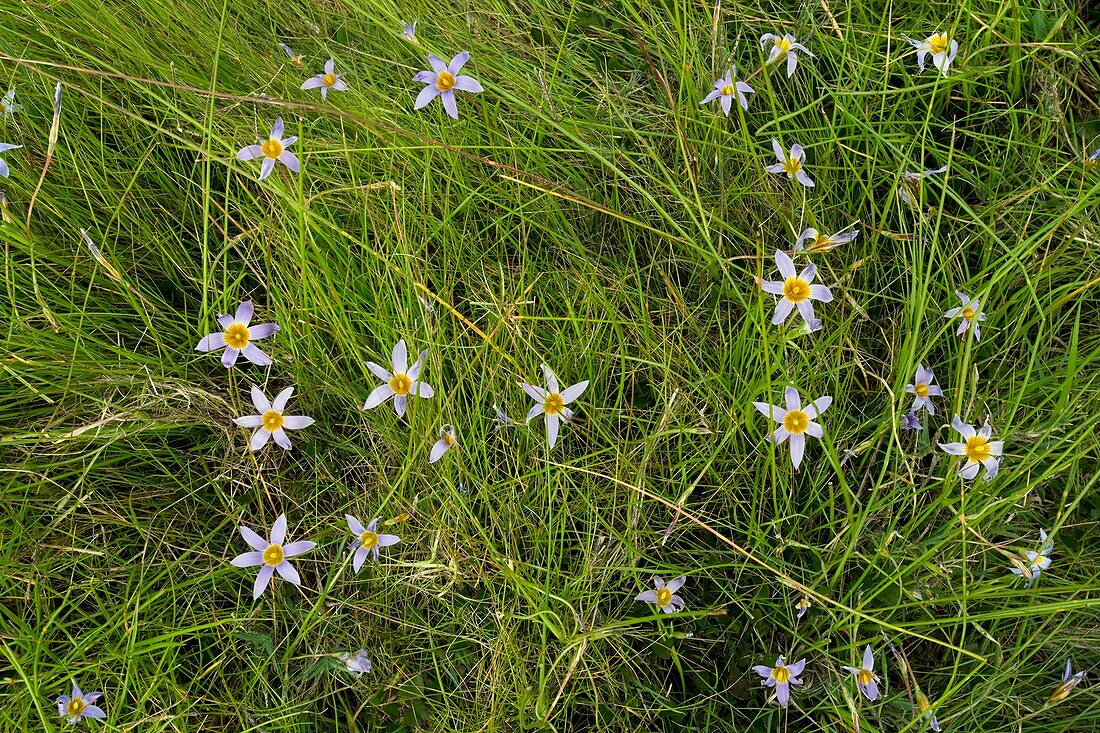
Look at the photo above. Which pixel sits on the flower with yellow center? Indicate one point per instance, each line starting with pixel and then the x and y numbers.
pixel 796 290
pixel 237 335
pixel 978 449
pixel 865 675
pixel 725 88
pixel 785 45
pixel 295 59
pixel 790 164
pixel 927 711
pixel 403 383
pixel 368 540
pixel 552 402
pixel 923 390
pixel 270 420
pixel 1070 680
pixel 271 150
pixel 664 595
pixel 446 441
pixel 970 312
pixel 326 81
pixel 80 705
pixel 272 555
pixel 795 421
pixel 942 47
pixel 443 81
pixel 408 31
pixel 781 677
pixel 1037 562
pixel 803 606
pixel 820 242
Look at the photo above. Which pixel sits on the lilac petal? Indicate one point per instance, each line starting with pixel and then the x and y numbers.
pixel 763 670
pixel 868 658
pixel 279 405
pixel 534 412
pixel 340 85
pixel 255 354
pixel 225 321
pixel 821 293
pixel 380 394
pixel 776 168
pixel 552 429
pixel 423 390
pixel 255 541
pixel 792 398
pixel 438 65
pixel 438 449
pixel 426 77
pixel 259 400
pixel 290 160
pixel 262 331
pixel 387 540
pixel 818 406
pixel 297 422
pixel 814 430
pixel 871 690
pixel 964 429
pixel 779 436
pixel 792 62
pixel 249 152
pixel 782 309
pixel 229 357
pixel 571 393
pixel 359 557
pixel 266 167
pixel 676 584
pixel 414 370
pixel 798 448
pixel 330 65
pixel 796 668
pixel 649 596
pixel 399 404
pixel 211 342
pixel 711 97
pixel 249 421
pixel 775 287
pixel 94 711
pixel 449 103
pixel 727 105
pixel 281 439
pixel 806 308
pixel 287 142
pixel 379 371
pixel 458 62
pixel 775 413
pixel 538 394
pixel 399 357
pixel 779 154
pixel 969 471
pixel 278 530
pixel 277 129
pixel 262 579
pixel 785 264
pixel 804 178
pixel 468 84
pixel 783 694
pixel 297 548
pixel 797 152
pixel 355 525
pixel 248 559
pixel 955 449
pixel 288 572
pixel 313 82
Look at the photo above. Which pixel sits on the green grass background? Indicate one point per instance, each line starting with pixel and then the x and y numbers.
pixel 587 213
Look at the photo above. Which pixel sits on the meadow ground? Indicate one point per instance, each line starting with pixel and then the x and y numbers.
pixel 584 211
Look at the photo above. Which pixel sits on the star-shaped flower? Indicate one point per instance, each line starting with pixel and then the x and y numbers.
pixel 942 48
pixel 781 677
pixel 271 150
pixel 368 540
pixel 237 337
pixel 272 554
pixel 402 384
pixel 795 290
pixel 784 45
pixel 443 80
pixel 978 449
pixel 909 421
pixel 796 421
pixel 552 402
pixel 725 88
pixel 865 675
pixel 326 81
pixel 294 58
pixel 924 389
pixel 269 420
pixel 790 164
pixel 971 312
pixel 79 705
pixel 1037 562
pixel 813 241
pixel 664 595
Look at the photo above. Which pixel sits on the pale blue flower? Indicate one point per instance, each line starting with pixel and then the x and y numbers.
pixel 978 449
pixel 79 705
pixel 358 663
pixel 781 677
pixel 790 164
pixel 272 554
pixel 402 384
pixel 795 421
pixel 446 441
pixel 270 422
pixel 1070 680
pixel 408 32
pixel 865 675
pixel 552 402
pixel 295 58
pixel 443 80
pixel 1037 562
pixel 664 595
pixel 822 242
pixel 909 421
pixel 725 88
pixel 271 150
pixel 942 48
pixel 368 540
pixel 5 147
pixel 924 389
pixel 795 290
pixel 971 312
pixel 785 45
pixel 326 81
pixel 237 337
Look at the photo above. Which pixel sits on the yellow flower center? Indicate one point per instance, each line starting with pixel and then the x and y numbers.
pixel 977 448
pixel 553 404
pixel 921 390
pixel 938 43
pixel 272 420
pixel 795 289
pixel 822 242
pixel 448 439
pixel 664 597
pixel 400 384
pixel 727 90
pixel 328 79
pixel 368 539
pixel 445 81
pixel 75 707
pixel 1091 164
pixel 792 166
pixel 272 148
pixel 237 336
pixel 968 313
pixel 1039 560
pixel 274 555
pixel 781 675
pixel 796 421
pixel 864 677
pixel 783 44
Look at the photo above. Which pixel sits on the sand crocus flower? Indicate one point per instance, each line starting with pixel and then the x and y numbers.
pixel 795 290
pixel 909 187
pixel 664 595
pixel 978 449
pixel 271 150
pixel 5 147
pixel 942 48
pixel 402 384
pixel 927 711
pixel 368 540
pixel 445 443
pixel 781 677
pixel 923 389
pixel 784 45
pixel 294 58
pixel 237 337
pixel 803 606
pixel 813 241
pixel 358 663
pixel 1037 562
pixel 326 81
pixel 971 313
pixel 865 675
pixel 795 421
pixel 552 402
pixel 725 89
pixel 272 555
pixel 790 164
pixel 408 31
pixel 909 421
pixel 270 422
pixel 79 705
pixel 1070 680
pixel 8 107
pixel 443 80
